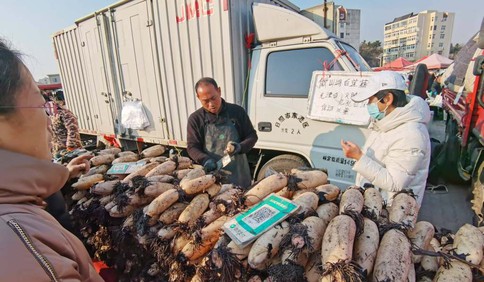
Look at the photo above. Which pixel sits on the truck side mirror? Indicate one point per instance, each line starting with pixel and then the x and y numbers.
pixel 478 66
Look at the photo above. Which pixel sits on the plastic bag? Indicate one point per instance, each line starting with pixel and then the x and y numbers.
pixel 133 115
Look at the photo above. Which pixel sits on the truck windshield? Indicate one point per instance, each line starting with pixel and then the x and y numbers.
pixel 289 72
pixel 356 58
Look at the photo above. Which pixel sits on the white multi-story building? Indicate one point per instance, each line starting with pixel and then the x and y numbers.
pixel 414 36
pixel 345 23
pixel 50 79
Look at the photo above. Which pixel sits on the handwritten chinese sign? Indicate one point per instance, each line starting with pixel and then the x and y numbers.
pixel 330 97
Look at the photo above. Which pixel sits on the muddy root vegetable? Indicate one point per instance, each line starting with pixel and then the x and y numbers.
pixel 102 159
pixel 78 195
pixel 153 151
pixel 266 186
pixel 87 182
pixel 393 259
pixel 193 251
pixel 110 151
pixel 179 242
pixel 127 153
pixel 327 193
pixel 117 211
pixel 210 215
pixel 161 178
pixel 125 159
pixel 213 229
pixel 366 246
pixel 308 203
pixel 315 228
pixel 213 190
pixel 310 179
pixel 338 240
pixel 420 237
pixel 102 169
pixel 240 253
pixel 194 210
pixel 456 271
pixel 165 168
pixel 352 199
pixel 267 246
pixel 198 184
pixel 166 233
pixel 171 214
pixel 142 171
pixel 404 210
pixel 162 202
pixel 430 263
pixel 194 173
pixel 104 188
pixel 312 269
pixel 157 188
pixel 373 204
pixel 327 212
pixel 469 242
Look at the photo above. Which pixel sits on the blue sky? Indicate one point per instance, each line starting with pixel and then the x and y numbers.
pixel 29 24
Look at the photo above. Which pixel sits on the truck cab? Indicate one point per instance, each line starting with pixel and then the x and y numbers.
pixel 155 51
pixel 278 102
pixel 463 101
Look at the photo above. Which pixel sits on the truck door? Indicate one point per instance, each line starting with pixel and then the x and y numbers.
pixel 92 39
pixel 134 54
pixel 282 81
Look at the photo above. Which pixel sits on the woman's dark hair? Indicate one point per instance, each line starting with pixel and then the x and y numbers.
pixel 399 97
pixel 206 80
pixel 10 76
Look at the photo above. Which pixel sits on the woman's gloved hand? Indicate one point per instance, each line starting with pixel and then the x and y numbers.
pixel 209 165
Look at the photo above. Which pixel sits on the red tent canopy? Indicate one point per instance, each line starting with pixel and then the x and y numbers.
pixel 396 65
pixel 433 62
pixel 53 86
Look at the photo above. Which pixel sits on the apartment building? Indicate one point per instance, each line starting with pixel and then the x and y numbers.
pixel 414 36
pixel 344 23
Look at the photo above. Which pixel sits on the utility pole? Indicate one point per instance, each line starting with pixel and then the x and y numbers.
pixel 325 13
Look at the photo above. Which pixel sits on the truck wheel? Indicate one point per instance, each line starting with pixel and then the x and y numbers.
pixel 478 196
pixel 452 151
pixel 282 163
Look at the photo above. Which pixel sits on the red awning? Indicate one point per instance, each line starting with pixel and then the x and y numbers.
pixel 396 65
pixel 50 86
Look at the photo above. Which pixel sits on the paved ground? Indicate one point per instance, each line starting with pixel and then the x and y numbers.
pixel 450 209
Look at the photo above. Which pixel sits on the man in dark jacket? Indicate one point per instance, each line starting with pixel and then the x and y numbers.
pixel 219 127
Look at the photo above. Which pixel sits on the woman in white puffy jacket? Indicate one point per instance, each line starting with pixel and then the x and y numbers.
pixel 396 155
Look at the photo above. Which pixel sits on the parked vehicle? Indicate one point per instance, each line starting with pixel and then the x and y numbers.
pixel 463 101
pixel 262 53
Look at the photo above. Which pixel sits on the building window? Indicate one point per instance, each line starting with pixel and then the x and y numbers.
pixel 435 27
pixel 442 27
pixel 347 34
pixel 432 19
pixel 442 36
pixel 341 25
pixel 428 45
pixel 441 44
pixel 433 36
pixel 342 35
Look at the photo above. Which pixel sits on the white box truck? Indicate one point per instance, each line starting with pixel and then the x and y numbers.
pixel 155 50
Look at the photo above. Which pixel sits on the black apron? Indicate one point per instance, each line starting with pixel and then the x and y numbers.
pixel 217 136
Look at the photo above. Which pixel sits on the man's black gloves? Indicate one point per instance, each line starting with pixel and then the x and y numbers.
pixel 233 148
pixel 209 165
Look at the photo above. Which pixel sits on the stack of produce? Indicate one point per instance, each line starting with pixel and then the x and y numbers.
pixel 164 221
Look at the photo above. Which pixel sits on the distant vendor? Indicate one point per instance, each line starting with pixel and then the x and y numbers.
pixel 219 127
